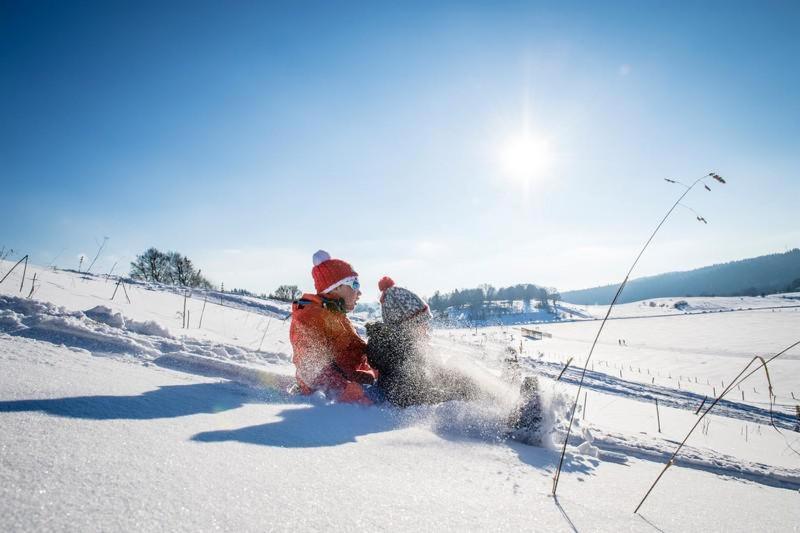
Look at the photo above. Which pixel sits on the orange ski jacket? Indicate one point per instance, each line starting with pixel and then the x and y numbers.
pixel 328 353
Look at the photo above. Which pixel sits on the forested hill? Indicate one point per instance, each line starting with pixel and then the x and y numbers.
pixel 748 277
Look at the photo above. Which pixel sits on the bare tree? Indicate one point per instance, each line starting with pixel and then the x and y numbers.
pixel 152 265
pixel 181 269
pixel 286 293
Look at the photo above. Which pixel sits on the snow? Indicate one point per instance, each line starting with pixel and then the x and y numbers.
pixel 115 417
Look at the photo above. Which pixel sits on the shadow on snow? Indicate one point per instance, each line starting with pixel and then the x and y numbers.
pixel 165 402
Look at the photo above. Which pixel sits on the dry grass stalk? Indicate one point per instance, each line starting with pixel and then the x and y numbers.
pixel 33 286
pixel 611 307
pixel 701 405
pixel 737 380
pixel 564 369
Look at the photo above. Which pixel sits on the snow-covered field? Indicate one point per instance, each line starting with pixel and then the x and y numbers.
pixel 113 416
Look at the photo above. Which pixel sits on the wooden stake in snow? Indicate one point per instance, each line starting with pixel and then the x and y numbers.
pixel 111 271
pixel 585 397
pixel 658 416
pixel 24 273
pixel 202 312
pixel 124 290
pixel 184 309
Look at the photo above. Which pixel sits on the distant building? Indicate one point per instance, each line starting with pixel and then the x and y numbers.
pixel 534 334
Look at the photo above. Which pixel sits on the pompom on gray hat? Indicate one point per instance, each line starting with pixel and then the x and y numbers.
pixel 399 305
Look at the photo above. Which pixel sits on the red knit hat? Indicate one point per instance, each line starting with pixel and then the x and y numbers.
pixel 328 272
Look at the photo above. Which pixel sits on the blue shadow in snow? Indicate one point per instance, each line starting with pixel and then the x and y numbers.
pixel 165 402
pixel 310 427
pixel 318 426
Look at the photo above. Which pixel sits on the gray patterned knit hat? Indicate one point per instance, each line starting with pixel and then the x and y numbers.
pixel 398 304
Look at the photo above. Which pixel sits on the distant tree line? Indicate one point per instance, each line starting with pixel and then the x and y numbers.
pixel 245 292
pixel 171 268
pixel 486 300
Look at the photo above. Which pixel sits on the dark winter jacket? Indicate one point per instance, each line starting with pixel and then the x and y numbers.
pixel 407 376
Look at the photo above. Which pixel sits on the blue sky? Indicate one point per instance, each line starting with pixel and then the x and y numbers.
pixel 249 134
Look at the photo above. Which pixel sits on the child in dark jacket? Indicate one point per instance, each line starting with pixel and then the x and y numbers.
pixel 398 349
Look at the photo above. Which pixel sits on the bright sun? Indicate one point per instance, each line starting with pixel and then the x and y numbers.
pixel 526 157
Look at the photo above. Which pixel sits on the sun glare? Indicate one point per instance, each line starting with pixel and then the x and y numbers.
pixel 526 158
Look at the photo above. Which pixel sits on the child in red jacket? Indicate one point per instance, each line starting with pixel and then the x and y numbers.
pixel 329 356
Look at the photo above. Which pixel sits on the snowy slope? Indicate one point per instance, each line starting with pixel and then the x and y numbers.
pixel 113 416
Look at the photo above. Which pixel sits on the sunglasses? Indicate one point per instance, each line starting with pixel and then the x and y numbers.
pixel 353 284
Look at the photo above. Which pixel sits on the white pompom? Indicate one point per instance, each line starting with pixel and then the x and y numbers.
pixel 321 256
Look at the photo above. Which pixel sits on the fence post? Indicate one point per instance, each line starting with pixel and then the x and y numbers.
pixel 658 416
pixel 184 309
pixel 202 312
pixel 116 287
pixel 585 398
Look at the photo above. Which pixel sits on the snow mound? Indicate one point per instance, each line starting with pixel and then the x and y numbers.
pixel 107 316
pixel 102 331
pixel 10 321
pixel 148 327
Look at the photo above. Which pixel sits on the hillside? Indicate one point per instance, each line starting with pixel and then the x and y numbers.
pixel 767 274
